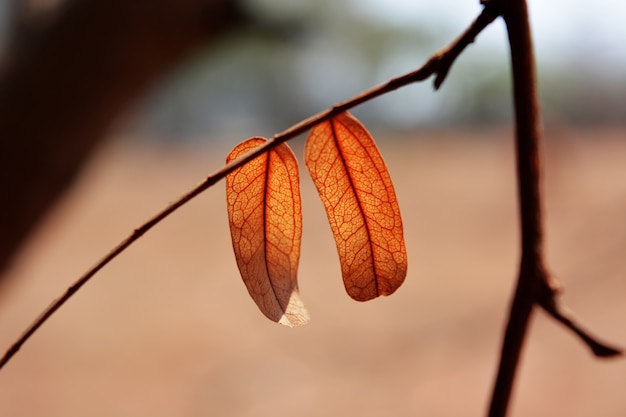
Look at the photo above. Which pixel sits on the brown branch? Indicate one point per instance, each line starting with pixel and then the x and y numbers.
pixel 527 139
pixel 439 64
pixel 534 285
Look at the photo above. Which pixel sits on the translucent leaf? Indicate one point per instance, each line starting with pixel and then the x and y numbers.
pixel 265 217
pixel 356 189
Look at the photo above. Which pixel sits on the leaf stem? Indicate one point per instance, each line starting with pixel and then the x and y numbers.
pixel 438 64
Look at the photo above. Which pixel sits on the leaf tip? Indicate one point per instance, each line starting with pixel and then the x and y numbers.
pixel 295 314
pixel 370 293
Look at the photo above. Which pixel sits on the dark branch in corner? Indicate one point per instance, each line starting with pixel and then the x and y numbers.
pixel 439 64
pixel 63 84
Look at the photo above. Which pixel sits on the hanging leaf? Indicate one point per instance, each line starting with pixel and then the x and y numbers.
pixel 265 217
pixel 356 189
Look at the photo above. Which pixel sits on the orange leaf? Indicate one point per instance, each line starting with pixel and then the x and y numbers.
pixel 265 217
pixel 356 189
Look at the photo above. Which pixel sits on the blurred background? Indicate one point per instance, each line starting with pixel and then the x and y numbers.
pixel 320 52
pixel 168 328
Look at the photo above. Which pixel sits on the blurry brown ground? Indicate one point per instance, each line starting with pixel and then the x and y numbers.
pixel 169 330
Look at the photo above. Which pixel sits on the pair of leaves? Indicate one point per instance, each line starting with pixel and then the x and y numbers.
pixel 265 217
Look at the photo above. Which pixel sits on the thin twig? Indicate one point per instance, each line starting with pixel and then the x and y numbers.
pixel 550 302
pixel 439 64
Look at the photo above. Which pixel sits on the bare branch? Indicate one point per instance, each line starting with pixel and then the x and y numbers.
pixel 437 64
pixel 534 284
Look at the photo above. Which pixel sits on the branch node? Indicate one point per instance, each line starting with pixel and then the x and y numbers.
pixel 548 300
pixel 445 58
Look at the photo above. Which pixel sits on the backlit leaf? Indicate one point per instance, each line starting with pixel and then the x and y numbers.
pixel 265 217
pixel 356 189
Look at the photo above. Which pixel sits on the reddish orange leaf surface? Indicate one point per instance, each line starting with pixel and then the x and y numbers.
pixel 265 217
pixel 356 189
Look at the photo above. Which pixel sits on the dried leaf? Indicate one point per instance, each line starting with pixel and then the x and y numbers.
pixel 356 189
pixel 265 217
